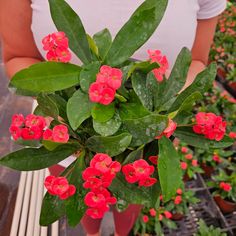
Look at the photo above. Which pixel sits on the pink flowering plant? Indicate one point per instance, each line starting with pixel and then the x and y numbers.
pixel 117 116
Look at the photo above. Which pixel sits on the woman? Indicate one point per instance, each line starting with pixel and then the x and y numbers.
pixel 189 23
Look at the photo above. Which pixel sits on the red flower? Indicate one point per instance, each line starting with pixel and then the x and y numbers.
pixel 152 212
pixel 94 200
pixel 184 149
pixel 178 200
pixel 145 218
pixel 153 160
pixel 210 125
pixel 147 182
pixel 97 213
pixel 142 169
pixel 168 214
pixel 15 132
pixel 101 162
pixel 60 134
pixel 179 191
pixel 189 156
pixel 183 165
pixel 225 186
pixel 17 120
pixel 33 120
pixel 60 185
pixel 169 130
pixel 216 158
pixel 194 163
pixel 47 135
pixel 130 173
pixel 232 134
pixel 31 133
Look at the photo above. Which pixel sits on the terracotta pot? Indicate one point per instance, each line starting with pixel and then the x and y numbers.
pixel 224 205
pixel 208 170
pixel 56 170
pixel 177 216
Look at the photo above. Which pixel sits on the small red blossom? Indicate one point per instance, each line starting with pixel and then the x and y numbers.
pixel 179 191
pixel 183 165
pixel 169 130
pixel 15 132
pixel 216 158
pixel 225 186
pixel 33 120
pixel 130 173
pixel 184 149
pixel 97 213
pixel 160 217
pixel 60 134
pixel 194 163
pixel 232 135
pixel 31 133
pixel 17 120
pixel 178 200
pixel 145 218
pixel 153 160
pixel 189 156
pixel 168 214
pixel 47 135
pixel 152 212
pixel 147 182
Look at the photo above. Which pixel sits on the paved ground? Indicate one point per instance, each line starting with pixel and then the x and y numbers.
pixel 9 105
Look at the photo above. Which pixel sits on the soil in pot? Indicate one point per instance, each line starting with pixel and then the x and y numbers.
pixel 225 205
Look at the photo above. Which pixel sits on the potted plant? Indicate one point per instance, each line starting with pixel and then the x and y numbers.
pixel 224 191
pixel 205 230
pixel 112 113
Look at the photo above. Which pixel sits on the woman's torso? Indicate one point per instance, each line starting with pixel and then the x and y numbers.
pixel 176 30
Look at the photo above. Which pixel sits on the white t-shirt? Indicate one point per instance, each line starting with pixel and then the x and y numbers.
pixel 176 30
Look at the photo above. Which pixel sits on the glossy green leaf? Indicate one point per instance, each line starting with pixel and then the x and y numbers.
pixel 113 145
pixel 48 106
pixel 47 77
pixel 133 156
pixel 75 206
pixel 103 41
pixel 92 46
pixel 103 113
pixel 37 158
pixel 49 145
pixel 139 86
pixel 109 127
pixel 88 75
pixel 169 170
pixel 201 84
pixel 137 30
pixel 176 79
pixel 78 109
pixel 145 129
pixel 66 20
pixel 186 134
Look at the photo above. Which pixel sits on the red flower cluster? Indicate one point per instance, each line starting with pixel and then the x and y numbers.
pixel 225 186
pixel 58 134
pixel 167 214
pixel 59 186
pixel 211 125
pixel 57 46
pixel 27 128
pixel 139 171
pixel 98 177
pixel 170 129
pixel 178 199
pixel 156 56
pixel 107 82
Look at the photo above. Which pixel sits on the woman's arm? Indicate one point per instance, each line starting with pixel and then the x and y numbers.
pixel 19 49
pixel 201 47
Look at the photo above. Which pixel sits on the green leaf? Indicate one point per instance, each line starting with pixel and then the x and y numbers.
pixel 49 145
pixel 88 75
pixel 109 127
pixel 177 78
pixel 52 209
pixel 92 46
pixel 66 20
pixel 169 170
pixel 103 41
pixel 75 206
pixel 136 31
pixel 139 86
pixel 133 156
pixel 37 158
pixel 78 109
pixel 132 111
pixel 187 135
pixel 201 84
pixel 103 113
pixel 47 77
pixel 129 192
pixel 113 145
pixel 48 106
pixel 145 129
